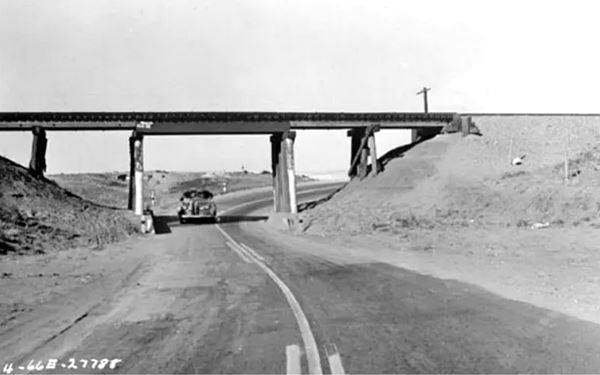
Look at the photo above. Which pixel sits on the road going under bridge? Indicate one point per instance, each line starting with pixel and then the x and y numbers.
pixel 280 126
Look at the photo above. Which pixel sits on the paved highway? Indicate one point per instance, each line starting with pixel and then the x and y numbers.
pixel 229 298
pixel 383 319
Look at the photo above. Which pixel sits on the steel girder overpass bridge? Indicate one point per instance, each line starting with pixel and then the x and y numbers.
pixel 280 126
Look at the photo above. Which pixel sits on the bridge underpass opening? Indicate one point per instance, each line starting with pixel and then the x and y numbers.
pixel 280 126
pixel 320 153
pixel 325 154
pixel 216 155
pixel 328 154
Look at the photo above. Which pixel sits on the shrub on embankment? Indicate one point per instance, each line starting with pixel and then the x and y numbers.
pixel 36 215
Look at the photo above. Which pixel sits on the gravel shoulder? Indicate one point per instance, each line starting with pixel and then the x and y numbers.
pixel 553 268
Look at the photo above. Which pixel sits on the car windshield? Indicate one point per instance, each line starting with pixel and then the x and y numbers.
pixel 198 194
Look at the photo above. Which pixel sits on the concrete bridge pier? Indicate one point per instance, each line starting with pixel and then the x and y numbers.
pixel 466 125
pixel 290 167
pixel 373 153
pixel 362 147
pixel 37 164
pixel 284 172
pixel 355 134
pixel 414 135
pixel 275 172
pixel 131 192
pixel 136 173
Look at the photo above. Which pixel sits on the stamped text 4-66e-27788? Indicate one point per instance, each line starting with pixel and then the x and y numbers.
pixel 57 364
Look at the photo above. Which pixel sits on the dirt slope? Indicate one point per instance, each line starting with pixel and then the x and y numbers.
pixel 39 216
pixel 456 181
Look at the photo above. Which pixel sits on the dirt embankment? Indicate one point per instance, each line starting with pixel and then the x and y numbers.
pixel 457 208
pixel 470 182
pixel 37 215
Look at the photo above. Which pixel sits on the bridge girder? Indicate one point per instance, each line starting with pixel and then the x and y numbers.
pixel 166 123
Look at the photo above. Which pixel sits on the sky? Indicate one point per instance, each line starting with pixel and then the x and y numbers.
pixel 293 55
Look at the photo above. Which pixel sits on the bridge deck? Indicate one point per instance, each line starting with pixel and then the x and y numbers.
pixel 217 122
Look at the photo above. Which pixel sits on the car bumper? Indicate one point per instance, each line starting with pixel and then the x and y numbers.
pixel 200 215
pixel 204 213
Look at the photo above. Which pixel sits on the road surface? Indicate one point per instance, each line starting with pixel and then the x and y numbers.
pixel 227 298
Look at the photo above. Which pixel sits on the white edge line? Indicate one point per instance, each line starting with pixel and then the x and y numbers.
pixel 225 233
pixel 292 355
pixel 335 364
pixel 243 250
pixel 310 345
pixel 251 251
pixel 238 251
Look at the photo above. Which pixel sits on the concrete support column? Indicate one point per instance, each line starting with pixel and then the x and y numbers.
pixel 288 151
pixel 138 157
pixel 466 125
pixel 414 135
pixel 363 146
pixel 276 170
pixel 356 135
pixel 373 154
pixel 286 174
pixel 363 162
pixel 131 195
pixel 456 123
pixel 37 164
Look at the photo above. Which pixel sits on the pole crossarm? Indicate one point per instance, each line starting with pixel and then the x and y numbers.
pixel 425 102
pixel 424 90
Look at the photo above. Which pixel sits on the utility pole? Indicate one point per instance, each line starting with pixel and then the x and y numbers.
pixel 424 92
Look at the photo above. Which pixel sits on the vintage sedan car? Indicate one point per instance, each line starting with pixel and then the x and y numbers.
pixel 197 204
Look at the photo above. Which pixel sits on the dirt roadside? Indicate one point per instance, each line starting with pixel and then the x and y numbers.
pixel 52 302
pixel 46 294
pixel 193 307
pixel 554 268
pixel 459 208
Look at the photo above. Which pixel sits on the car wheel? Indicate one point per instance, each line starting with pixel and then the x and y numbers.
pixel 182 220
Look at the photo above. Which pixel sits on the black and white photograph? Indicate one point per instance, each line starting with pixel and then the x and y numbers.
pixel 299 187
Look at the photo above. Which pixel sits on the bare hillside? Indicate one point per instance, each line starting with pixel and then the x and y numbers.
pixel 456 181
pixel 36 215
